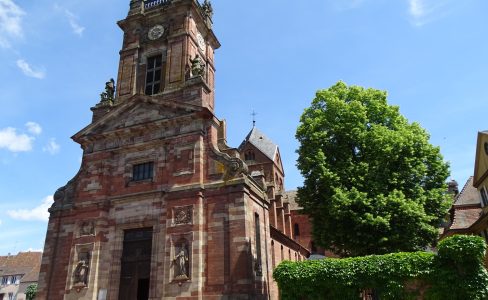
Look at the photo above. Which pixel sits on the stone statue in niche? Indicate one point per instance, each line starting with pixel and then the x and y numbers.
pixel 87 228
pixel 108 97
pixel 181 262
pixel 197 67
pixel 80 275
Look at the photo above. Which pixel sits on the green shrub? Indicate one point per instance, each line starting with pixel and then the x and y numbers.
pixel 456 272
pixel 31 291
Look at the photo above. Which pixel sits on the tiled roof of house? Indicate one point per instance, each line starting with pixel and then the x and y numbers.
pixel 469 195
pixel 464 218
pixel 467 207
pixel 262 142
pixel 24 263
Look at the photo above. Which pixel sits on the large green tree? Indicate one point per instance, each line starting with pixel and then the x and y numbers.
pixel 373 182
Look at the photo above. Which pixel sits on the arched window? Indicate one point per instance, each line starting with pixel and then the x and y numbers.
pixel 296 230
pixel 313 248
pixel 273 262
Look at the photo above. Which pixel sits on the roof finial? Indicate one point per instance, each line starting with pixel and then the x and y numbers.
pixel 254 114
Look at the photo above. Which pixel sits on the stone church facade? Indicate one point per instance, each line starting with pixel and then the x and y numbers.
pixel 162 207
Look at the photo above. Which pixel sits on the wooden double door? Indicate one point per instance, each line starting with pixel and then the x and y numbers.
pixel 136 264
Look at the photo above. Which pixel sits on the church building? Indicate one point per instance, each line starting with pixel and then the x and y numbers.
pixel 162 207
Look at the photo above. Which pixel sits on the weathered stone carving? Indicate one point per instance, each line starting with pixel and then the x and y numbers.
pixel 183 215
pixel 207 9
pixel 197 67
pixel 233 166
pixel 63 197
pixel 107 98
pixel 181 261
pixel 87 228
pixel 80 275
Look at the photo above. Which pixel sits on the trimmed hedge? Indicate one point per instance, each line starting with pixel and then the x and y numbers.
pixel 456 272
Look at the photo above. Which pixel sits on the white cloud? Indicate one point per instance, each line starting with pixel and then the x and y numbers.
pixel 38 213
pixel 73 22
pixel 15 142
pixel 10 22
pixel 72 19
pixel 1 222
pixel 33 128
pixel 52 147
pixel 425 11
pixel 28 71
pixel 416 8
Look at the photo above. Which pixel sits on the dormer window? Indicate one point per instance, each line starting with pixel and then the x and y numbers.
pixel 154 75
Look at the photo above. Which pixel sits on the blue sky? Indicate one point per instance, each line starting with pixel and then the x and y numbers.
pixel 430 55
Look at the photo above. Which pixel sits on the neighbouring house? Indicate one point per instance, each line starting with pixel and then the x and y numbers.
pixel 480 182
pixel 17 272
pixel 469 213
pixel 465 211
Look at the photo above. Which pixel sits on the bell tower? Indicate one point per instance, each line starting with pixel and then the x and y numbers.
pixel 168 52
pixel 162 207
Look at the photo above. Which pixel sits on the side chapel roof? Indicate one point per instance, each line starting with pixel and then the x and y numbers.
pixel 259 140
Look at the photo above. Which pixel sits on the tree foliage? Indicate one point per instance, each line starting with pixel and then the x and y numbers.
pixel 373 182
pixel 457 272
pixel 31 291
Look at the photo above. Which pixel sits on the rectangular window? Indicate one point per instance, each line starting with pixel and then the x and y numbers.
pixel 4 280
pixel 17 279
pixel 484 196
pixel 142 171
pixel 10 296
pixel 155 75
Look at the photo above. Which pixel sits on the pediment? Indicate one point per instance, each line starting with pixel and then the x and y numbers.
pixel 137 112
pixel 481 162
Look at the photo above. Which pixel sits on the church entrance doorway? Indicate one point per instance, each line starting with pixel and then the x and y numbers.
pixel 136 264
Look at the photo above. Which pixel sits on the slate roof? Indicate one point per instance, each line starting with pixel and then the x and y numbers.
pixel 24 263
pixel 259 140
pixel 291 197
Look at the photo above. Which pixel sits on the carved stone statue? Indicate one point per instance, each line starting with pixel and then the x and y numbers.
pixel 197 66
pixel 108 96
pixel 80 275
pixel 207 9
pixel 181 260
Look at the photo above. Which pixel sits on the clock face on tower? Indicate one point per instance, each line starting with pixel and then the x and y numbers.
pixel 155 32
pixel 201 42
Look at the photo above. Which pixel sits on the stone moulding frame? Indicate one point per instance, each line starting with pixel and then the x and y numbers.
pixel 182 215
pixel 79 252
pixel 191 160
